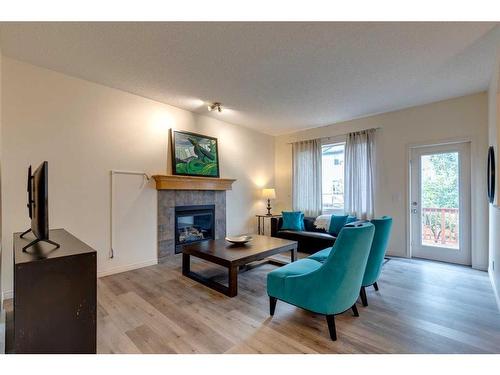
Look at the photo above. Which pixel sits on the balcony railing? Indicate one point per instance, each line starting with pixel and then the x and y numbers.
pixel 440 227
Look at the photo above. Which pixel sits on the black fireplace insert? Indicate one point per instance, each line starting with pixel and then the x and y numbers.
pixel 193 224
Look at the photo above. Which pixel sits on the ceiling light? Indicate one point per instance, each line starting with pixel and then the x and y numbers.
pixel 215 107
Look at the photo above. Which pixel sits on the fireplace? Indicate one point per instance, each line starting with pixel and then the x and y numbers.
pixel 193 224
pixel 169 200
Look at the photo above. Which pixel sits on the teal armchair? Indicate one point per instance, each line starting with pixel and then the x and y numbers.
pixel 383 227
pixel 327 288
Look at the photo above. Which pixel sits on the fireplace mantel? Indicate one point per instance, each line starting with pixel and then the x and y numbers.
pixel 171 182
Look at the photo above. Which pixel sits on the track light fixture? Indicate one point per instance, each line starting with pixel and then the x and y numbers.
pixel 215 107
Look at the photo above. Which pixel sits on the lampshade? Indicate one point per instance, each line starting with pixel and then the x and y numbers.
pixel 268 193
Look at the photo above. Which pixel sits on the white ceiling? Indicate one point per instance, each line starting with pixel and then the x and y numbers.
pixel 272 77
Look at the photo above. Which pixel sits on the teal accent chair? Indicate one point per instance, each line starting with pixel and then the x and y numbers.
pixel 383 227
pixel 375 260
pixel 321 255
pixel 327 288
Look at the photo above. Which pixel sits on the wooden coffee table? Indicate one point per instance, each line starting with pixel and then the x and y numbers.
pixel 234 258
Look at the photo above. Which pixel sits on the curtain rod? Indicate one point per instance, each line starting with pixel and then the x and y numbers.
pixel 333 136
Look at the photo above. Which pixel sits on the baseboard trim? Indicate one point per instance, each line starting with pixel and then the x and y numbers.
pixel 480 268
pixel 495 291
pixel 396 254
pixel 128 267
pixel 2 332
pixel 7 294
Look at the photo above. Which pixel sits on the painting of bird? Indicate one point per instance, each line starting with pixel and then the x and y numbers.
pixel 194 154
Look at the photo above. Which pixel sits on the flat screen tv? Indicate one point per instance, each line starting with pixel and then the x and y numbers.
pixel 38 205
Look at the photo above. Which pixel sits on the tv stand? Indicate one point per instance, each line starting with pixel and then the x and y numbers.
pixel 55 298
pixel 35 241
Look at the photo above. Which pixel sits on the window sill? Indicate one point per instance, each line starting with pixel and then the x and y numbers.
pixel 336 211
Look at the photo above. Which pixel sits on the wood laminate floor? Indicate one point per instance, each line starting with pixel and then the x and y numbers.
pixel 422 307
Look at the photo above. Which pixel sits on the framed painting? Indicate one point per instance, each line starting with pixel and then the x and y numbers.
pixel 194 154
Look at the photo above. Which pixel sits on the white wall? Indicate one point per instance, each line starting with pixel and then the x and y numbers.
pixel 84 130
pixel 494 226
pixel 464 117
pixel 1 247
pixel 2 314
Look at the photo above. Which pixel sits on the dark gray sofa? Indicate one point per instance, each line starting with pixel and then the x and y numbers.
pixel 310 240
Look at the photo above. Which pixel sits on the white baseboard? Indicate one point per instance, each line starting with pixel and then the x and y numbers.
pixel 128 267
pixel 396 254
pixel 495 291
pixel 7 294
pixel 480 267
pixel 2 332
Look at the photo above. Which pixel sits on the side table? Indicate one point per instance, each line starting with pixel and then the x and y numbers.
pixel 261 221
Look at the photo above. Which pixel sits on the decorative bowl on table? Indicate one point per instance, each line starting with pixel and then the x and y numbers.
pixel 239 240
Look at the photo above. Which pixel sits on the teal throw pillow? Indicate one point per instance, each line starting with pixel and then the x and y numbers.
pixel 351 219
pixel 337 223
pixel 293 220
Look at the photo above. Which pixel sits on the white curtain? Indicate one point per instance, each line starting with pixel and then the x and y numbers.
pixel 307 177
pixel 359 179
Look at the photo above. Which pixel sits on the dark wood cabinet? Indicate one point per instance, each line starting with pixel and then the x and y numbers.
pixel 55 295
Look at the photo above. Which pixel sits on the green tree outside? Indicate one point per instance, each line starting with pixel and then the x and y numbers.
pixel 440 189
pixel 440 180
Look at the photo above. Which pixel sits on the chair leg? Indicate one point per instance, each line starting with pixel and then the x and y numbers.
pixel 330 319
pixel 362 294
pixel 355 310
pixel 272 305
pixel 375 286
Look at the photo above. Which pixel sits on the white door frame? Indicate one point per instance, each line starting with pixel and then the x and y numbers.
pixel 462 255
pixel 409 147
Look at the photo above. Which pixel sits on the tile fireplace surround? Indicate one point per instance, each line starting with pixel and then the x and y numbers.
pixel 169 199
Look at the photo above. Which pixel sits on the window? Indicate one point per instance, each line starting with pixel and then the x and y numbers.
pixel 332 160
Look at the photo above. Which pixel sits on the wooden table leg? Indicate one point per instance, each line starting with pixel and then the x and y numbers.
pixel 231 290
pixel 293 254
pixel 233 281
pixel 186 264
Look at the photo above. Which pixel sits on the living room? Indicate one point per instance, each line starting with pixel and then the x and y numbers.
pixel 201 171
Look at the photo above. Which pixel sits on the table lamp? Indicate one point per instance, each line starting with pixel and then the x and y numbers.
pixel 269 194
